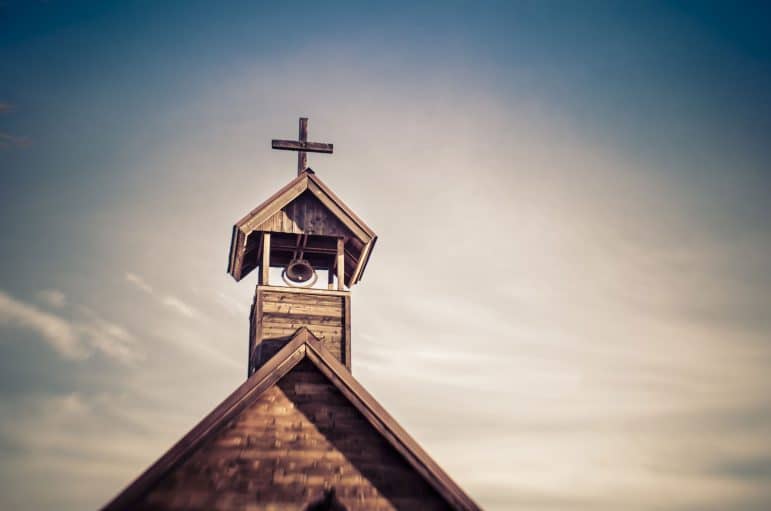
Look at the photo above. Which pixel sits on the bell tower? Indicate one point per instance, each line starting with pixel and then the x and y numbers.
pixel 302 230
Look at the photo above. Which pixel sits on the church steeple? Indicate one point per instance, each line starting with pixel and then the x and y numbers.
pixel 303 229
pixel 311 435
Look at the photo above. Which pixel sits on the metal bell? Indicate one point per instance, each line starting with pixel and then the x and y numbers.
pixel 299 271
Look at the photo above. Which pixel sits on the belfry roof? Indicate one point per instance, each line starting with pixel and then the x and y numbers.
pixel 267 217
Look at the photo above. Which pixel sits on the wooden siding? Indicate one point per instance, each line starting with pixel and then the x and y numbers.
pixel 305 215
pixel 278 313
pixel 298 438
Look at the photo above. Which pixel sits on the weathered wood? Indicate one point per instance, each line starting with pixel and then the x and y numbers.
pixel 340 264
pixel 347 339
pixel 255 386
pixel 290 320
pixel 362 259
pixel 299 425
pixel 388 427
pixel 273 204
pixel 265 264
pixel 302 146
pixel 296 145
pixel 272 327
pixel 348 219
pixel 277 215
pixel 284 295
pixel 307 291
pixel 305 215
pixel 256 456
pixel 284 310
pixel 300 309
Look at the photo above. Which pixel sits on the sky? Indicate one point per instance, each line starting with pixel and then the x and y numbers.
pixel 569 305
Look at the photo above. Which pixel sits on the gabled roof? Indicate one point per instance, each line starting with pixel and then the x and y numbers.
pixel 307 181
pixel 303 345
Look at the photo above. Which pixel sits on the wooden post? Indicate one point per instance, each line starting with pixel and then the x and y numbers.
pixel 347 332
pixel 331 275
pixel 302 156
pixel 340 264
pixel 265 265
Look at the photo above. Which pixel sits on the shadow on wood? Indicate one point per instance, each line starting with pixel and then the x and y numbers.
pixel 328 502
pixel 372 472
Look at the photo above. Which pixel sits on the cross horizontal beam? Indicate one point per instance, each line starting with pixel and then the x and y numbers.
pixel 296 145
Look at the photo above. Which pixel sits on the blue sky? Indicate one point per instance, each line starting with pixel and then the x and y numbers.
pixel 606 164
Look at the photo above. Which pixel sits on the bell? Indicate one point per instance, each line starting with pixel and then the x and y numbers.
pixel 299 271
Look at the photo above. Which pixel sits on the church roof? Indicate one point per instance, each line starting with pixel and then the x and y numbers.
pixel 267 217
pixel 302 348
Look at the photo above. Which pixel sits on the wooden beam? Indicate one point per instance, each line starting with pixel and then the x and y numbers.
pixel 360 264
pixel 268 208
pixel 302 156
pixel 296 145
pixel 265 264
pixel 347 331
pixel 309 249
pixel 340 264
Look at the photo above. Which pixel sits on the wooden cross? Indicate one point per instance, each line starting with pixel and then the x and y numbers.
pixel 303 146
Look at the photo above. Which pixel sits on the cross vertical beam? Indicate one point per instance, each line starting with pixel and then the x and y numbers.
pixel 302 156
pixel 302 146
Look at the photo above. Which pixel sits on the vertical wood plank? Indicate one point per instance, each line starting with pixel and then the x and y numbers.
pixel 331 277
pixel 340 264
pixel 265 264
pixel 255 328
pixel 302 156
pixel 347 331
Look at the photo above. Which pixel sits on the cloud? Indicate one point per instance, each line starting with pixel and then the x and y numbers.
pixel 5 107
pixel 73 340
pixel 53 297
pixel 58 333
pixel 179 306
pixel 138 282
pixel 107 337
pixel 79 442
pixel 169 301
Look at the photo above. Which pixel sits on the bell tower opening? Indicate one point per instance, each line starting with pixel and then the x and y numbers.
pixel 303 259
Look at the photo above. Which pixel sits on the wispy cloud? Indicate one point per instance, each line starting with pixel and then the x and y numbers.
pixel 138 282
pixel 57 332
pixel 53 297
pixel 170 301
pixel 179 306
pixel 107 337
pixel 60 435
pixel 75 339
